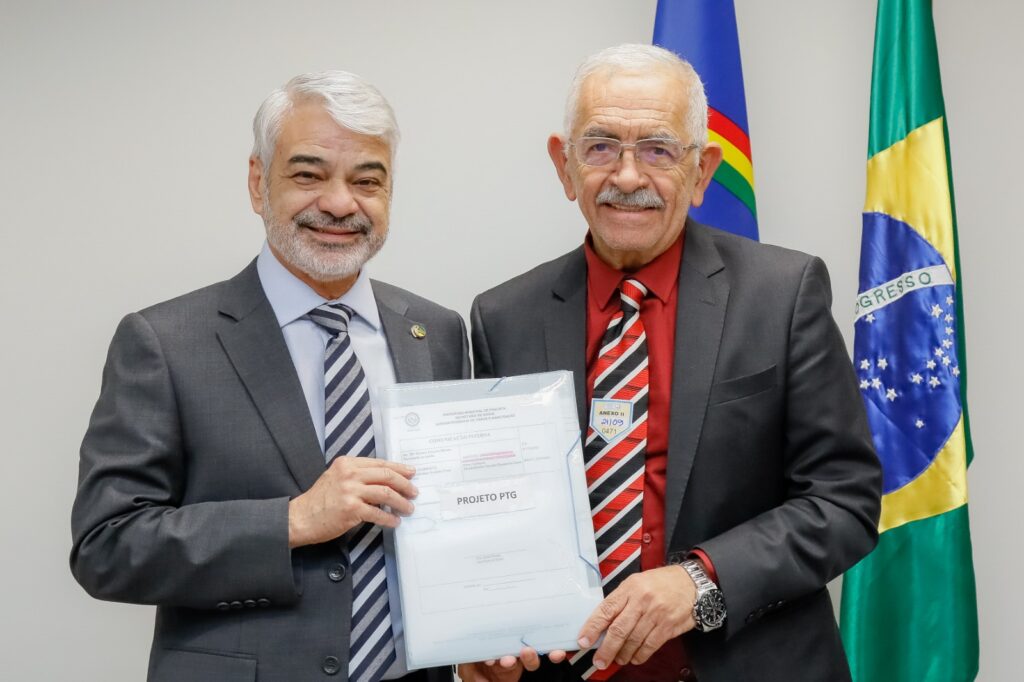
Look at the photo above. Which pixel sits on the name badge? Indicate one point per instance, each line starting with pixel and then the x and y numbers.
pixel 610 418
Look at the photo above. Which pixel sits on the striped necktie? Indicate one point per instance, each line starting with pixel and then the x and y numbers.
pixel 348 430
pixel 615 455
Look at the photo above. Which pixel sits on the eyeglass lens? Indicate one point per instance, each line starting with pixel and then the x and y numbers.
pixel 658 153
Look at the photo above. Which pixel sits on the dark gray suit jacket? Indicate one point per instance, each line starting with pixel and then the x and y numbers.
pixel 200 437
pixel 771 470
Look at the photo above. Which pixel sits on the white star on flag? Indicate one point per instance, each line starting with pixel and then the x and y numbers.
pixel 936 311
pixel 870 317
pixel 946 343
pixel 865 364
pixel 930 364
pixel 919 424
pixel 955 371
pixel 949 300
pixel 882 363
pixel 876 383
pixel 945 361
pixel 916 378
pixel 949 331
pixel 934 382
pixel 864 383
pixel 948 318
pixel 891 394
pixel 938 352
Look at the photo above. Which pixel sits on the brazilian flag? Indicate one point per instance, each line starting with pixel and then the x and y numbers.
pixel 704 33
pixel 909 610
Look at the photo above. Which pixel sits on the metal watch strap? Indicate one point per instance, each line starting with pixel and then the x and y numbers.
pixel 700 577
pixel 708 595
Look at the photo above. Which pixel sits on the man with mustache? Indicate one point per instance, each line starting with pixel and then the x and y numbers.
pixel 730 468
pixel 228 474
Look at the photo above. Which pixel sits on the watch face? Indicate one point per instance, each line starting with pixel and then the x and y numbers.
pixel 711 609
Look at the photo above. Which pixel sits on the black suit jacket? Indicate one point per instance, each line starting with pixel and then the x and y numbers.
pixel 200 437
pixel 771 470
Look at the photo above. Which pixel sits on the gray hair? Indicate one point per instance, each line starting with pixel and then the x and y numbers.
pixel 351 101
pixel 636 57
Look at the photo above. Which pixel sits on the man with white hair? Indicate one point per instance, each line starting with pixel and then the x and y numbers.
pixel 228 474
pixel 730 468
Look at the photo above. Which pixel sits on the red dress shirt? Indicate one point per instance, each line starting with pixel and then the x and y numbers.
pixel 658 314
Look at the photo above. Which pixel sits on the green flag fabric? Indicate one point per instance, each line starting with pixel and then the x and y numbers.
pixel 909 610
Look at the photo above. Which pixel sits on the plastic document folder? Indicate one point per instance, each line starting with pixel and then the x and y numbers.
pixel 499 553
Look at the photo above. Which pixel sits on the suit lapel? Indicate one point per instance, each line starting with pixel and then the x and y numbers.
pixel 565 327
pixel 700 317
pixel 255 345
pixel 410 355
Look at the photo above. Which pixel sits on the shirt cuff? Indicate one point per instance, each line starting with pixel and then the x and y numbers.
pixel 709 568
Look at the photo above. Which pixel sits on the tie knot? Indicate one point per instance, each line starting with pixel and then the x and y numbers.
pixel 334 317
pixel 633 291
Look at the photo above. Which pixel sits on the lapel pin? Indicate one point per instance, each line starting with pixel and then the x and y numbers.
pixel 418 331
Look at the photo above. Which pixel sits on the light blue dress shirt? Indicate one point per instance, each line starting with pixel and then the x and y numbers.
pixel 291 299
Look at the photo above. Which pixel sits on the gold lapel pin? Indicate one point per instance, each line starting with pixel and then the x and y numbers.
pixel 418 331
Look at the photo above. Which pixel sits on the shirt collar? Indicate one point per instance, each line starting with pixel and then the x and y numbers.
pixel 660 276
pixel 291 298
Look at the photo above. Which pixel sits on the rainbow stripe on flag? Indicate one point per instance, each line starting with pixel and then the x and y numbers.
pixel 704 33
pixel 909 610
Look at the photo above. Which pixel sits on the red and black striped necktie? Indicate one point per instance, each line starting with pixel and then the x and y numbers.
pixel 616 449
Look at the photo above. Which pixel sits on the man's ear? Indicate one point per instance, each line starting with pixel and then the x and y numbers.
pixel 558 151
pixel 710 158
pixel 256 186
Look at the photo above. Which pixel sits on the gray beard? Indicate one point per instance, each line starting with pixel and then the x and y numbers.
pixel 322 262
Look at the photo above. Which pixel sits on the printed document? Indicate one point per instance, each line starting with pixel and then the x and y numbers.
pixel 499 553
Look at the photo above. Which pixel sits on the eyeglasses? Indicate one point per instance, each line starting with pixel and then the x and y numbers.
pixel 652 152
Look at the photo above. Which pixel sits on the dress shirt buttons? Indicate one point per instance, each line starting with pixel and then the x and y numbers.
pixel 336 573
pixel 236 604
pixel 249 604
pixel 647 538
pixel 263 603
pixel 223 606
pixel 331 665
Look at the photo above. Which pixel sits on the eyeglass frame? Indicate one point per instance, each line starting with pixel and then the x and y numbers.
pixel 683 151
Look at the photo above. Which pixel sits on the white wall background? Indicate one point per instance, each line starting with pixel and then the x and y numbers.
pixel 125 134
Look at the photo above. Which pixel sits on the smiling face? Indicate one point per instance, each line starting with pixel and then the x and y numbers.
pixel 325 200
pixel 635 212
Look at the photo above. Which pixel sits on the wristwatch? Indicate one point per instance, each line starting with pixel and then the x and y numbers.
pixel 709 606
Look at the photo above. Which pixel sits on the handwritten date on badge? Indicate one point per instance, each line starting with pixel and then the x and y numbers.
pixel 611 418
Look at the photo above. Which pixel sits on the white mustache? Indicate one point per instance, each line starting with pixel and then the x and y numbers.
pixel 641 197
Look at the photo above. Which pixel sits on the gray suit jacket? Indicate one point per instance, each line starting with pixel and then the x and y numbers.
pixel 771 470
pixel 200 437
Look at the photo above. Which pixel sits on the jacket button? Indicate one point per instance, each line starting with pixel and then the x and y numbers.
pixel 249 604
pixel 686 675
pixel 236 604
pixel 223 606
pixel 336 573
pixel 647 538
pixel 263 603
pixel 331 665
